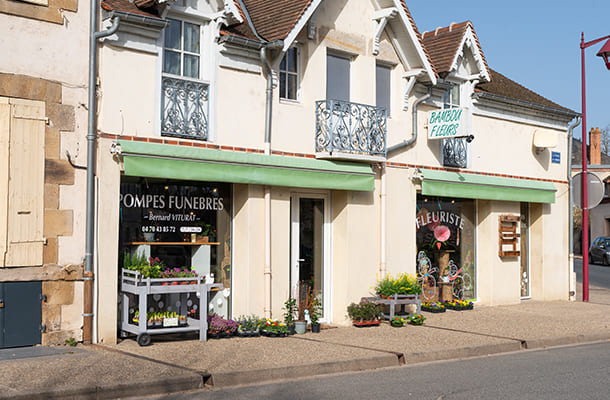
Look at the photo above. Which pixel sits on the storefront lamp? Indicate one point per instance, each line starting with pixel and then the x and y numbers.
pixel 605 53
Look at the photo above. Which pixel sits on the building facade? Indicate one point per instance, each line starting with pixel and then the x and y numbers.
pixel 43 97
pixel 325 144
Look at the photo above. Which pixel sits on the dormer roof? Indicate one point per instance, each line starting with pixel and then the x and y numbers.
pixel 446 47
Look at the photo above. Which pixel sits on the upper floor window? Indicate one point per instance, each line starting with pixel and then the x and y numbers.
pixel 289 74
pixel 451 97
pixel 181 50
pixel 185 98
pixel 383 87
pixel 337 77
pixel 454 151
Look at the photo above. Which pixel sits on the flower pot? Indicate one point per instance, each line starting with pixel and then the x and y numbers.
pixel 315 328
pixel 291 330
pixel 300 326
pixel 363 324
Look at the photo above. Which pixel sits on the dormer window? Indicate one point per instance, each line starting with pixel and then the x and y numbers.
pixel 185 103
pixel 454 151
pixel 289 74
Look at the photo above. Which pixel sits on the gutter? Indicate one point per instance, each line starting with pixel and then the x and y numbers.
pixel 139 19
pixel 88 275
pixel 572 282
pixel 509 100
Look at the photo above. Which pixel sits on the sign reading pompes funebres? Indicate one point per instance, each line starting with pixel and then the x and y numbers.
pixel 448 123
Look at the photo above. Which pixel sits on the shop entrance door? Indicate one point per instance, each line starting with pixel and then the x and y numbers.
pixel 310 245
pixel 525 250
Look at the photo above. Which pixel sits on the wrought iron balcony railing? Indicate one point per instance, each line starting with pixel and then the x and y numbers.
pixel 185 108
pixel 455 152
pixel 350 128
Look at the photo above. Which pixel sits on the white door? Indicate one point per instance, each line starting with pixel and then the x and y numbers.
pixel 310 246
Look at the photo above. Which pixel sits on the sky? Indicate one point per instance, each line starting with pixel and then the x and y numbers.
pixel 536 43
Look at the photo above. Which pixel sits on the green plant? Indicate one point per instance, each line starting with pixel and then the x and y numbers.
pixel 71 342
pixel 397 321
pixel 364 311
pixel 417 319
pixel 403 284
pixel 274 326
pixel 250 323
pixel 290 307
pixel 315 308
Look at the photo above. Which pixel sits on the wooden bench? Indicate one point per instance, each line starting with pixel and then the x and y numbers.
pixel 396 300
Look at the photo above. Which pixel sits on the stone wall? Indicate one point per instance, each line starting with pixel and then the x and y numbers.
pixel 62 284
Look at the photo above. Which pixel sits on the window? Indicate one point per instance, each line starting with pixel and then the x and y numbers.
pixel 185 108
pixel 181 53
pixel 446 263
pixel 451 97
pixel 383 87
pixel 289 74
pixel 337 77
pixel 454 151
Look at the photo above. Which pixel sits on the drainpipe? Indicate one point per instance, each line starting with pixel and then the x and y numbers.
pixel 572 283
pixel 383 194
pixel 88 275
pixel 383 224
pixel 278 44
pixel 413 138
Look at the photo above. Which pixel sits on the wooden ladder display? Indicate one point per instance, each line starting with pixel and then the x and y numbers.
pixel 508 236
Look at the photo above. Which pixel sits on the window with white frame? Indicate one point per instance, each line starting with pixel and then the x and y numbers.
pixel 454 151
pixel 289 74
pixel 185 108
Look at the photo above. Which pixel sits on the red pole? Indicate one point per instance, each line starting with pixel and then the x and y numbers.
pixel 585 181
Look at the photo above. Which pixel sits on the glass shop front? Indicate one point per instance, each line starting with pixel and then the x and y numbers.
pixel 174 229
pixel 446 263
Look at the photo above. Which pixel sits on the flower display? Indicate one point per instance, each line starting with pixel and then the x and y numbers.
pixel 397 321
pixel 404 284
pixel 272 327
pixel 459 305
pixel 417 319
pixel 218 325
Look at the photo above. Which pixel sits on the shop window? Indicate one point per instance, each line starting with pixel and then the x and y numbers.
pixel 446 265
pixel 182 225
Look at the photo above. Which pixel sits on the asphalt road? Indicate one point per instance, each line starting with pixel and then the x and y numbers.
pixel 599 275
pixel 576 372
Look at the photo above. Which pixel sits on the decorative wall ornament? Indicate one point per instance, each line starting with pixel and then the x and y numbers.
pixel 508 245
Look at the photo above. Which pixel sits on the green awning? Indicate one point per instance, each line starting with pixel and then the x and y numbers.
pixel 474 186
pixel 156 160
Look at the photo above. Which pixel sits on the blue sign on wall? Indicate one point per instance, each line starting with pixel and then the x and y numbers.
pixel 555 157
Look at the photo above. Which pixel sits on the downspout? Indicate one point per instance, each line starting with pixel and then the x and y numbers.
pixel 383 194
pixel 383 224
pixel 88 275
pixel 572 282
pixel 413 138
pixel 278 44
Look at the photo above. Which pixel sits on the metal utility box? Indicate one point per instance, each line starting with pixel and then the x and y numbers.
pixel 20 313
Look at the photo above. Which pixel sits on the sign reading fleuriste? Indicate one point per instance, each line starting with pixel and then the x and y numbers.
pixel 448 123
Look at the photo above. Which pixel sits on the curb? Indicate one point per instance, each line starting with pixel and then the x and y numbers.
pixel 566 340
pixel 170 384
pixel 463 352
pixel 235 378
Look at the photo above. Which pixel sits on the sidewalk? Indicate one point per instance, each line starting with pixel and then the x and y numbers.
pixel 170 365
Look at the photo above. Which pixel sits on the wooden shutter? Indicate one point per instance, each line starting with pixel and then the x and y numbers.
pixel 24 189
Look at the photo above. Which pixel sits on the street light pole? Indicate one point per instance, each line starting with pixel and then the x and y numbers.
pixel 604 53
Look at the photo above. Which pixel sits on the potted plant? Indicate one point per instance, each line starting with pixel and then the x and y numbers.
pixel 274 328
pixel 397 321
pixel 290 308
pixel 304 297
pixel 248 326
pixel 315 312
pixel 436 307
pixel 402 286
pixel 417 319
pixel 219 327
pixel 365 313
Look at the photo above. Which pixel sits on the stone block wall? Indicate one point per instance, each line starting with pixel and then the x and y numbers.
pixel 62 284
